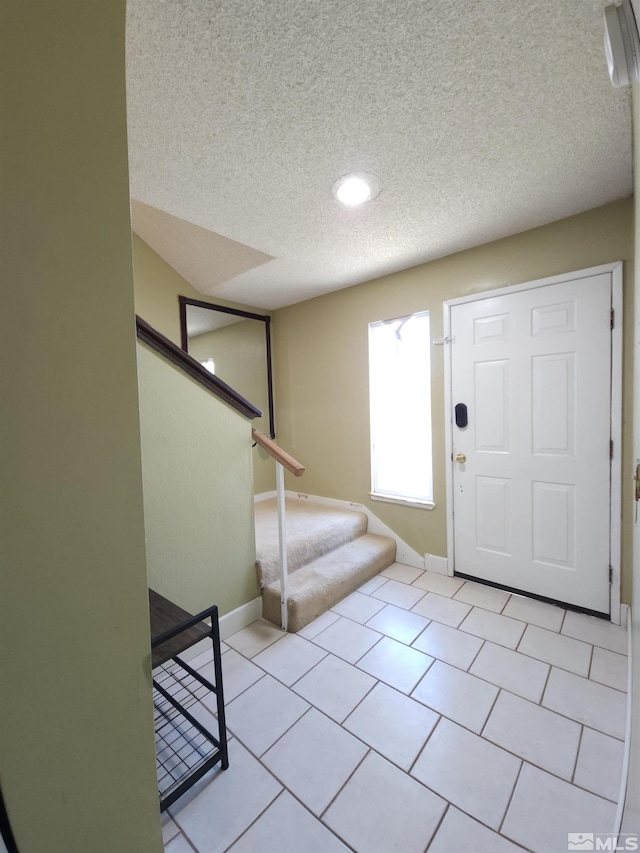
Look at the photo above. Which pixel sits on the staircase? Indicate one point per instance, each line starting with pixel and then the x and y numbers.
pixel 329 551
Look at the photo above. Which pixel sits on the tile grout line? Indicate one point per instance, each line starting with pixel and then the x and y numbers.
pixel 344 784
pixel 228 702
pixel 409 772
pixel 588 725
pixel 279 738
pixel 484 725
pixel 532 763
pixel 255 820
pixel 546 684
pixel 248 657
pixel 284 683
pixel 304 806
pixel 467 813
pixel 355 707
pixel 189 842
pixel 475 657
pixel 513 790
pixel 575 763
pixel 562 623
pixel 557 633
pixel 504 748
pixel 499 688
pixel 591 655
pixel 439 824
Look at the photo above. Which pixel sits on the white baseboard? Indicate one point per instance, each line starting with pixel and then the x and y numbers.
pixel 404 554
pixel 624 776
pixel 240 617
pixel 264 496
pixel 625 615
pixel 433 563
pixel 229 624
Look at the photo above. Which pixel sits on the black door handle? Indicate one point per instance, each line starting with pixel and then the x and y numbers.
pixel 461 415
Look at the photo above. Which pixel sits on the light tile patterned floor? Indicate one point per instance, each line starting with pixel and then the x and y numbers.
pixel 421 713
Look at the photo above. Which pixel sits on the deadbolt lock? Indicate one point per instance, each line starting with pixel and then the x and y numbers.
pixel 461 458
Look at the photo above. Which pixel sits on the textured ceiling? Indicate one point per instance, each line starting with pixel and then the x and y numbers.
pixel 481 119
pixel 204 258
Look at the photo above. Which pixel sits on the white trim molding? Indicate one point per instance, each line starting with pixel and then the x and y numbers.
pixel 625 615
pixel 231 622
pixel 626 755
pixel 404 553
pixel 439 565
pixel 616 437
pixel 240 617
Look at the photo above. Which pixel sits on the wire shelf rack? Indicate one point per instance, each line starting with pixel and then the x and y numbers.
pixel 185 748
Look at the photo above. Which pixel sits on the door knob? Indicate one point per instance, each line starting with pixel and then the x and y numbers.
pixel 461 458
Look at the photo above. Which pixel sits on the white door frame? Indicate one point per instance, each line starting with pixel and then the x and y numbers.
pixel 615 269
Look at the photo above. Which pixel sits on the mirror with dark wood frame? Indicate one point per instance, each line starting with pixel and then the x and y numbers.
pixel 234 345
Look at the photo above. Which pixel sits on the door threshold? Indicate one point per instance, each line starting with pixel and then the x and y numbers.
pixel 524 594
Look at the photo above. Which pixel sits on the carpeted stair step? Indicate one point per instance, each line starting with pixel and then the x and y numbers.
pixel 312 529
pixel 320 584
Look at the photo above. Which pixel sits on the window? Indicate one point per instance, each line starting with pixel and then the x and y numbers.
pixel 400 401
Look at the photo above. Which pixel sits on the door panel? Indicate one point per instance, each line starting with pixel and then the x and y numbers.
pixel 531 501
pixel 492 513
pixel 554 533
pixel 490 398
pixel 553 404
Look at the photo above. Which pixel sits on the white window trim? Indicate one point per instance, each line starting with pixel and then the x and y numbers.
pixel 392 499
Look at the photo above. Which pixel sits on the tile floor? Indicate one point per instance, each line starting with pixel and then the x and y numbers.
pixel 421 713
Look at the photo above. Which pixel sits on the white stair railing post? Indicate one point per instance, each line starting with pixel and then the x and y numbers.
pixel 282 459
pixel 282 535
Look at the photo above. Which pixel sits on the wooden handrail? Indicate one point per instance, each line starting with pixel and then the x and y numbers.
pixel 278 453
pixel 157 341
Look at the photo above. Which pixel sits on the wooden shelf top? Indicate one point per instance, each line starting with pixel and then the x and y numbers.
pixel 165 615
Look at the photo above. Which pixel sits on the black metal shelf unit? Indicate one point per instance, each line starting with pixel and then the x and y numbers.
pixel 186 749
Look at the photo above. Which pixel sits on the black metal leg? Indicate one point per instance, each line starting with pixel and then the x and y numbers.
pixel 217 668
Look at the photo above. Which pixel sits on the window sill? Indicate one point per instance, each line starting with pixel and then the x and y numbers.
pixel 402 501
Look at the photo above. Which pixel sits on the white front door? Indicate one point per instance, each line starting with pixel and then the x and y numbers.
pixel 531 489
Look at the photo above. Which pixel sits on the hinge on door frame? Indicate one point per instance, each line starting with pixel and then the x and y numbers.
pixel 612 318
pixel 610 575
pixel 611 449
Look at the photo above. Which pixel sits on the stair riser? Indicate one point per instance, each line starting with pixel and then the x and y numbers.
pixel 312 531
pixel 309 602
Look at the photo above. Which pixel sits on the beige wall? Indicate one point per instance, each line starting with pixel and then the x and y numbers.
pixel 321 359
pixel 157 287
pixel 76 734
pixel 198 497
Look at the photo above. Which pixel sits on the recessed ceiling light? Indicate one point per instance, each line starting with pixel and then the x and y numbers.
pixel 355 189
